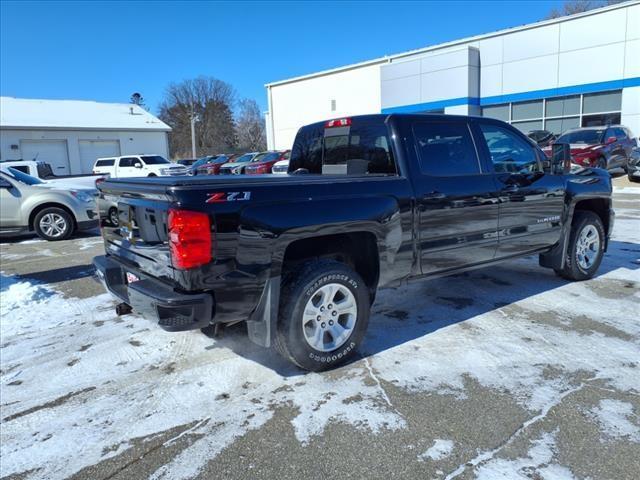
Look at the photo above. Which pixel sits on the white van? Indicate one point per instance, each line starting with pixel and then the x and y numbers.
pixel 137 166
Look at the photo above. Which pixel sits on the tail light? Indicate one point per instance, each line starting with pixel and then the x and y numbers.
pixel 338 122
pixel 189 238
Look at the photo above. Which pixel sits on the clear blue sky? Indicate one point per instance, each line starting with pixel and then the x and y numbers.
pixel 105 51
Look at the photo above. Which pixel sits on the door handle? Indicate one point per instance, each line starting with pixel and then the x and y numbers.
pixel 434 196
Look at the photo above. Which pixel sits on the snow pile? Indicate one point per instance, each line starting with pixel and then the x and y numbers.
pixel 80 385
pixel 537 464
pixel 440 449
pixel 614 418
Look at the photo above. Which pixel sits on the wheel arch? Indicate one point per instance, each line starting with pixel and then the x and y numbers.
pixel 38 208
pixel 358 250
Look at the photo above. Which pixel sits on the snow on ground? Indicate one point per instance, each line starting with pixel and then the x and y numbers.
pixel 539 459
pixel 440 449
pixel 79 385
pixel 617 420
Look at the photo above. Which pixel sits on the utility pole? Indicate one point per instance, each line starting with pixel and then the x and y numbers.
pixel 194 118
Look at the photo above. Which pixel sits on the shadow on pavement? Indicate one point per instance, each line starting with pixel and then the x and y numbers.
pixel 395 318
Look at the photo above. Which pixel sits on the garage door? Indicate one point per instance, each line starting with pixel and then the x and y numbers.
pixel 54 152
pixel 92 149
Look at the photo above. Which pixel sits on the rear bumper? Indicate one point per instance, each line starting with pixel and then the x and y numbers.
pixel 174 312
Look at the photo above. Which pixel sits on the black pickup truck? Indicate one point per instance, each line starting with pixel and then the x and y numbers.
pixel 369 201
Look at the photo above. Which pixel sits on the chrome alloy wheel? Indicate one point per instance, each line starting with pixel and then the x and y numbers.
pixel 588 247
pixel 53 225
pixel 329 317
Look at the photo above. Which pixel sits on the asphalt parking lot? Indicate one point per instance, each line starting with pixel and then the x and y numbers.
pixel 506 372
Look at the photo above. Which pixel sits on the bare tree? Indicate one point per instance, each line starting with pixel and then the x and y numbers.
pixel 250 128
pixel 578 6
pixel 211 101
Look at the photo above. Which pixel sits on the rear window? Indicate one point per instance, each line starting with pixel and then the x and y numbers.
pixel 359 149
pixel 154 160
pixel 105 163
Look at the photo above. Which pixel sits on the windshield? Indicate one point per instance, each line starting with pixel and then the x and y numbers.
pixel 244 158
pixel 202 161
pixel 23 177
pixel 220 159
pixel 260 157
pixel 154 160
pixel 268 157
pixel 586 137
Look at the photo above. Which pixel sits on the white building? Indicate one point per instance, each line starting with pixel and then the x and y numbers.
pixel 556 74
pixel 71 134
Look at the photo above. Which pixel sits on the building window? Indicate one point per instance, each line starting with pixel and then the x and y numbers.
pixel 333 105
pixel 499 112
pixel 526 110
pixel 563 106
pixel 602 102
pixel 559 114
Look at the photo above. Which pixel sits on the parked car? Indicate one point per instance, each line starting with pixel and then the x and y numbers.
pixel 193 169
pixel 187 162
pixel 44 172
pixel 28 204
pixel 213 167
pixel 542 137
pixel 633 167
pixel 238 165
pixel 281 167
pixel 603 147
pixel 137 166
pixel 266 163
pixel 300 257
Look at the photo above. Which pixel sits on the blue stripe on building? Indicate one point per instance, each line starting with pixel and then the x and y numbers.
pixel 518 97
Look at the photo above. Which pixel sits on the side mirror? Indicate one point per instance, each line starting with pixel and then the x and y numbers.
pixel 137 165
pixel 611 140
pixel 560 158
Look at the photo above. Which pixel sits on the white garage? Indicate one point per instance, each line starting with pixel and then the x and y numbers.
pixel 92 149
pixel 55 152
pixel 71 134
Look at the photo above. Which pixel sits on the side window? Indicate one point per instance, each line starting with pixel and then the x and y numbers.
pixel 127 162
pixel 104 163
pixel 445 149
pixel 509 153
pixel 22 168
pixel 620 134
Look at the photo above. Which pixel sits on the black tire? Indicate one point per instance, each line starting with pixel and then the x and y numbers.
pixel 601 163
pixel 152 175
pixel 573 270
pixel 64 224
pixel 300 287
pixel 633 179
pixel 113 217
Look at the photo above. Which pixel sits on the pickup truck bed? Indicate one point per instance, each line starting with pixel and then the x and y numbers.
pixel 300 257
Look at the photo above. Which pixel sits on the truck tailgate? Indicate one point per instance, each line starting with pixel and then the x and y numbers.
pixel 140 240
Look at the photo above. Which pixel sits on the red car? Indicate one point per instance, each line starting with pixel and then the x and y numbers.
pixel 213 167
pixel 603 147
pixel 266 162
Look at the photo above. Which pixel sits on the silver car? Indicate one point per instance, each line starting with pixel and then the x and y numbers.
pixel 28 204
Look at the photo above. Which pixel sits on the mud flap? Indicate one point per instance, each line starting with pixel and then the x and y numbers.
pixel 261 325
pixel 556 257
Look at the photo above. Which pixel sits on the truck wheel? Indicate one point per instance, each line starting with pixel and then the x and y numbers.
pixel 586 247
pixel 324 313
pixel 53 224
pixel 113 217
pixel 152 175
pixel 601 163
